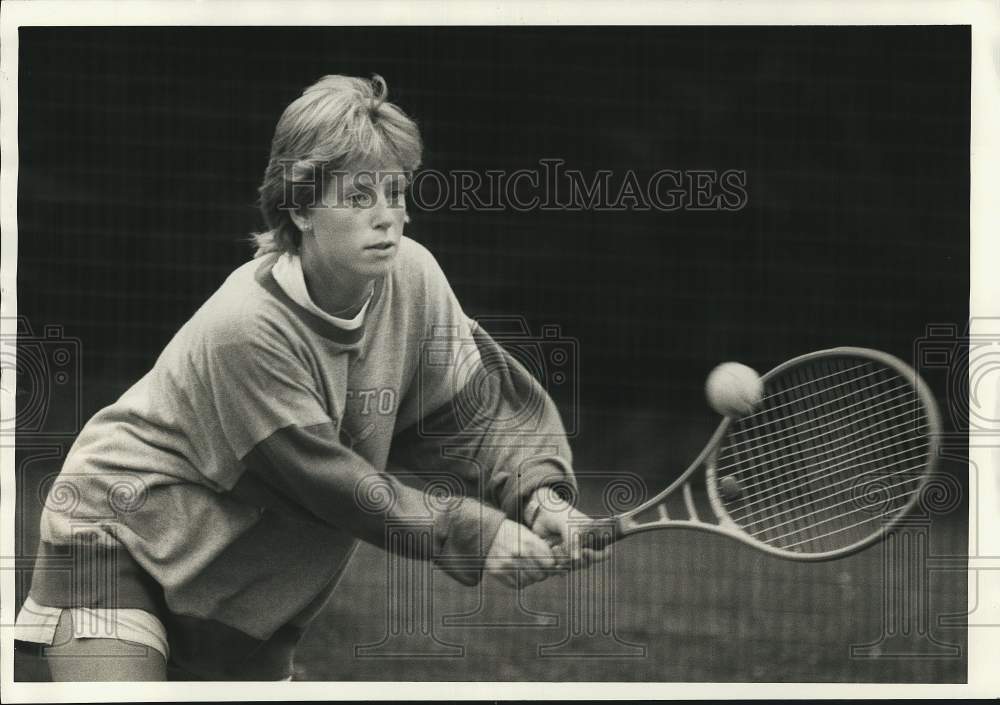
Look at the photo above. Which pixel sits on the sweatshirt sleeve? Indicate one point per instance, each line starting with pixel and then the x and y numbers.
pixel 294 461
pixel 478 413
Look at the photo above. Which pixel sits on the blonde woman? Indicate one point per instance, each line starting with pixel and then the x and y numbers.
pixel 258 444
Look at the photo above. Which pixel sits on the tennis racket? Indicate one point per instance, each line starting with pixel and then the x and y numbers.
pixel 836 452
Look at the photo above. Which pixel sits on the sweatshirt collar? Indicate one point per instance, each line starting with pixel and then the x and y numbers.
pixel 318 325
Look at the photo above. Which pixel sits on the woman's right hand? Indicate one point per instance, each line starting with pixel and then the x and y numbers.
pixel 516 550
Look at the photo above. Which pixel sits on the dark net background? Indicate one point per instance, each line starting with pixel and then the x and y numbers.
pixel 140 151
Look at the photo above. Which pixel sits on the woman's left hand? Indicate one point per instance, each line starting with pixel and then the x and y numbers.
pixel 562 526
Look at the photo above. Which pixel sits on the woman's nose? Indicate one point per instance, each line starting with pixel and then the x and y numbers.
pixel 381 213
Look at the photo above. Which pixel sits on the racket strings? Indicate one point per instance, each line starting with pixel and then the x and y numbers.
pixel 784 392
pixel 841 446
pixel 817 512
pixel 834 426
pixel 775 515
pixel 746 476
pixel 765 496
pixel 851 526
pixel 800 479
pixel 782 436
pixel 787 390
pixel 836 409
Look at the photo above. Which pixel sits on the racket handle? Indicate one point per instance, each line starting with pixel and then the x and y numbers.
pixel 598 534
pixel 601 533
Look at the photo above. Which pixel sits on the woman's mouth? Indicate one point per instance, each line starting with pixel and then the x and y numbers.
pixel 382 248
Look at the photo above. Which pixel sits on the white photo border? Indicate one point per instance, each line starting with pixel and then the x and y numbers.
pixel 982 16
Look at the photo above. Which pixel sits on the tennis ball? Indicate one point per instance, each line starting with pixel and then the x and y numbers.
pixel 730 488
pixel 733 389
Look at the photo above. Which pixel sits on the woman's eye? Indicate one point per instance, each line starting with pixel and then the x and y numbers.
pixel 357 200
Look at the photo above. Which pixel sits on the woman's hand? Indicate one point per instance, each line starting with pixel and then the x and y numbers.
pixel 557 522
pixel 517 551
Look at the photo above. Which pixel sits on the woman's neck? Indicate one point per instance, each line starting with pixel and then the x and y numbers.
pixel 336 294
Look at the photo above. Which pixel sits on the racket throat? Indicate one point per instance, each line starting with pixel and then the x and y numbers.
pixel 688 504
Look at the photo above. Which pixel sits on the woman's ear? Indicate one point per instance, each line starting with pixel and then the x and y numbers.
pixel 301 220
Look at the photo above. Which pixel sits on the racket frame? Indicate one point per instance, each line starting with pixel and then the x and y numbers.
pixel 626 523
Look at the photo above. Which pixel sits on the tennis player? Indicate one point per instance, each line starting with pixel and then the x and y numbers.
pixel 258 445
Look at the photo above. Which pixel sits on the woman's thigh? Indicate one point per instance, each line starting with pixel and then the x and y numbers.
pixel 73 659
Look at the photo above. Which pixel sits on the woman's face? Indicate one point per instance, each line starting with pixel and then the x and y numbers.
pixel 355 231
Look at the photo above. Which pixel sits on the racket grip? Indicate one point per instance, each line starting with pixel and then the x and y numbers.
pixel 600 533
pixel 596 534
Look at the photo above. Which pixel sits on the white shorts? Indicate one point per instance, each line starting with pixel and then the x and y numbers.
pixel 37 624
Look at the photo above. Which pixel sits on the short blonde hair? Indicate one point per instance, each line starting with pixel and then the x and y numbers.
pixel 337 124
